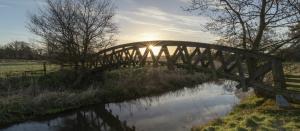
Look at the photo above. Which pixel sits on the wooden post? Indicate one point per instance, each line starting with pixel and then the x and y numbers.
pixel 154 59
pixel 44 68
pixel 169 58
pixel 241 73
pixel 211 63
pixel 278 75
pixel 251 64
pixel 188 59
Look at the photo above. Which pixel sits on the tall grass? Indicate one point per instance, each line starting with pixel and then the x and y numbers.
pixel 60 91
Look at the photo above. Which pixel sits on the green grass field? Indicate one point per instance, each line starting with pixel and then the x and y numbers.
pixel 256 114
pixel 15 67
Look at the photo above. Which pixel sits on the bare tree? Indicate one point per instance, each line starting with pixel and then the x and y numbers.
pixel 75 30
pixel 295 33
pixel 259 25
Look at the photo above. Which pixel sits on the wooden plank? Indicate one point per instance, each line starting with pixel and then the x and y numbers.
pixel 292 76
pixel 261 71
pixel 186 55
pixel 204 57
pixel 292 85
pixel 154 60
pixel 292 80
pixel 145 55
pixel 139 55
pixel 195 52
pixel 226 63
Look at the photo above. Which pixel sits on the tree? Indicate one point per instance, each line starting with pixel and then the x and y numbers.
pixel 259 25
pixel 295 33
pixel 293 52
pixel 20 50
pixel 75 30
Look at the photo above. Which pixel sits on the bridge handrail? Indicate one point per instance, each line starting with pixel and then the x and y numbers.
pixel 190 44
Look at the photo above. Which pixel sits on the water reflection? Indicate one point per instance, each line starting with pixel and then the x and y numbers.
pixel 176 111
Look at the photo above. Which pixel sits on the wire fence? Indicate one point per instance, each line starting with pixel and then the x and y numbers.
pixel 14 68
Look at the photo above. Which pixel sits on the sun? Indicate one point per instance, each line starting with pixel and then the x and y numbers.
pixel 149 36
pixel 154 49
pixel 151 47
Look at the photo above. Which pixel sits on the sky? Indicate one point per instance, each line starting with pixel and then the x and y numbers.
pixel 138 20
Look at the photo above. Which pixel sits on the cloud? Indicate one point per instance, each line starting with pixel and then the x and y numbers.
pixel 170 23
pixel 181 30
pixel 158 14
pixel 153 16
pixel 135 21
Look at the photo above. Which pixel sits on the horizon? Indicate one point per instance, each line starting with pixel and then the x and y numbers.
pixel 138 20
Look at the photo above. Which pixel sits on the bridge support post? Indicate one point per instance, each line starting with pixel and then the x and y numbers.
pixel 251 64
pixel 278 75
pixel 241 74
pixel 170 63
pixel 212 64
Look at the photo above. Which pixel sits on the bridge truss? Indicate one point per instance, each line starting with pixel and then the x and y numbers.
pixel 251 69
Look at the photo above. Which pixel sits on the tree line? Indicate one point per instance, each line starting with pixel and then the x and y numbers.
pixel 21 50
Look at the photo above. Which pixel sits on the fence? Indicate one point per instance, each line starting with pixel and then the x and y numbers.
pixel 25 69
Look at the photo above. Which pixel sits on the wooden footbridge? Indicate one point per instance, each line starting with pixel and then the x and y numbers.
pixel 251 69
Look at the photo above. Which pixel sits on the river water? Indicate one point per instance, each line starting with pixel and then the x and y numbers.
pixel 173 111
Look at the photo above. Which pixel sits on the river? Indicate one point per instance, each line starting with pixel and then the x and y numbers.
pixel 173 111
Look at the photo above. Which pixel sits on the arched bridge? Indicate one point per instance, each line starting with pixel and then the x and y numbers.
pixel 258 70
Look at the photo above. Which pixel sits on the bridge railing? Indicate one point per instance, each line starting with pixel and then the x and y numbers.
pixel 248 67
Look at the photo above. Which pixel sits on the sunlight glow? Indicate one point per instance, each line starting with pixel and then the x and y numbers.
pixel 151 47
pixel 155 49
pixel 149 37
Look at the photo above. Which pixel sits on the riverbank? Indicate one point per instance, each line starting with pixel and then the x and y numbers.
pixel 35 101
pixel 255 113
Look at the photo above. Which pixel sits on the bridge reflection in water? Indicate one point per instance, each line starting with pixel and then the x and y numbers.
pixel 174 111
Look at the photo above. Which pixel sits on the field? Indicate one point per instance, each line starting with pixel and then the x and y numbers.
pixel 19 67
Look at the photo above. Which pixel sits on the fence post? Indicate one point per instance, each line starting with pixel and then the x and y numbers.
pixel 44 68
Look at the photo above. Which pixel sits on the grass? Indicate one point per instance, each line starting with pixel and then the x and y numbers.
pixel 36 100
pixel 15 67
pixel 56 92
pixel 256 113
